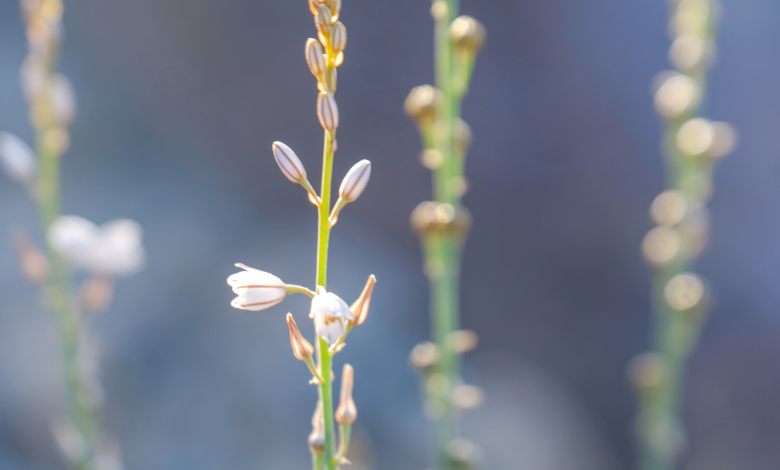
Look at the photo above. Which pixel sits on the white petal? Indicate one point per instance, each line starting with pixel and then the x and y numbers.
pixel 17 158
pixel 330 328
pixel 256 290
pixel 118 250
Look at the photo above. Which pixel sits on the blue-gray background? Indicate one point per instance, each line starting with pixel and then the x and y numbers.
pixel 179 101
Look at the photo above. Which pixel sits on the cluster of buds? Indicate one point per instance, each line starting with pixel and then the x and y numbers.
pixel 324 56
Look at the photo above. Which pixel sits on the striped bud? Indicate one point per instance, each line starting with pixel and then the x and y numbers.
pixel 323 20
pixel 256 290
pixel 467 34
pixel 335 8
pixel 346 413
pixel 315 57
pixel 289 163
pixel 338 37
pixel 301 348
pixel 355 181
pixel 360 307
pixel 327 111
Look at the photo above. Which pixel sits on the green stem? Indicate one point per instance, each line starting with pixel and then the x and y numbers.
pixel 345 431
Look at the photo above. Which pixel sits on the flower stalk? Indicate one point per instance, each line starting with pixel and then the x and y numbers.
pixel 443 223
pixel 692 146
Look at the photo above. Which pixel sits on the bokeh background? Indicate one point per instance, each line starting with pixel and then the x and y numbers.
pixel 179 101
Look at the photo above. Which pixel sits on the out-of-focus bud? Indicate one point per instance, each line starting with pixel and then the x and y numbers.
pixel 467 396
pixel 315 57
pixel 109 456
pixel 256 290
pixel 462 341
pixel 33 263
pixel 32 76
pixel 423 105
pixel 301 348
pixel 462 136
pixel 63 99
pixel 695 137
pixel 725 140
pixel 74 237
pixel 346 413
pixel 289 162
pixel 17 158
pixel 338 37
pixel 330 314
pixel 676 95
pixel 669 207
pixel 688 51
pixel 359 308
pixel 467 34
pixel 685 291
pixel 431 217
pixel 323 20
pixel 118 251
pixel 661 245
pixel 355 181
pixel 431 159
pixel 327 111
pixel 69 440
pixel 96 293
pixel 335 8
pixel 425 355
pixel 463 454
pixel 645 371
pixel 313 4
pixel 317 436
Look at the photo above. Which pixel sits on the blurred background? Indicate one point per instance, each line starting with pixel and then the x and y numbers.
pixel 179 101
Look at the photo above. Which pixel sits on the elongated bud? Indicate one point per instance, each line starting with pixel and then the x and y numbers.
pixel 346 413
pixel 33 263
pixel 467 34
pixel 315 57
pixel 96 293
pixel 256 290
pixel 338 37
pixel 301 348
pixel 317 436
pixel 355 181
pixel 330 314
pixel 17 158
pixel 327 111
pixel 323 20
pixel 360 307
pixel 289 163
pixel 423 104
pixel 335 8
pixel 63 99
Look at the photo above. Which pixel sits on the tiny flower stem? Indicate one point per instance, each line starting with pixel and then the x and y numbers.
pixel 334 214
pixel 293 289
pixel 345 431
pixel 312 193
pixel 313 368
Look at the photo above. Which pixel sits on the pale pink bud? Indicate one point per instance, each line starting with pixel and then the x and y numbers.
pixel 331 315
pixel 17 158
pixel 289 163
pixel 302 349
pixel 360 307
pixel 327 111
pixel 315 57
pixel 346 413
pixel 355 181
pixel 256 290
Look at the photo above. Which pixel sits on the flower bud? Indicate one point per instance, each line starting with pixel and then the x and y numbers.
pixel 74 237
pixel 327 111
pixel 467 34
pixel 63 99
pixel 315 57
pixel 355 181
pixel 17 158
pixel 33 263
pixel 288 162
pixel 346 413
pixel 301 348
pixel 323 19
pixel 423 104
pixel 335 8
pixel 96 293
pixel 317 436
pixel 338 37
pixel 360 307
pixel 330 314
pixel 256 290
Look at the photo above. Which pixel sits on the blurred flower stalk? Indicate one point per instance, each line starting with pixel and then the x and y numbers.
pixel 333 318
pixel 71 242
pixel 692 146
pixel 442 225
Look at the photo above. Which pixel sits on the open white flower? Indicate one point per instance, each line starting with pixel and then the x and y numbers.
pixel 256 290
pixel 331 315
pixel 113 249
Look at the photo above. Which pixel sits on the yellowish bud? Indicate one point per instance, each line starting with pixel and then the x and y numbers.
pixel 301 348
pixel 423 105
pixel 360 307
pixel 315 58
pixel 338 37
pixel 323 20
pixel 467 34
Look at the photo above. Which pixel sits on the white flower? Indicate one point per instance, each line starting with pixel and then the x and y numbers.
pixel 113 249
pixel 17 158
pixel 331 315
pixel 355 181
pixel 256 290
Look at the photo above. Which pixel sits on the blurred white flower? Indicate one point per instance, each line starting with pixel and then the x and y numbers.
pixel 114 249
pixel 17 158
pixel 256 290
pixel 330 315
